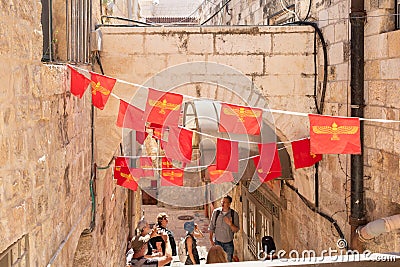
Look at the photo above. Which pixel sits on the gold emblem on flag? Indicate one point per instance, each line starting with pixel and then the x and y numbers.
pixel 96 87
pixel 167 164
pixel 163 105
pixel 172 174
pixel 129 176
pixel 242 113
pixel 335 130
pixel 261 171
pixel 216 172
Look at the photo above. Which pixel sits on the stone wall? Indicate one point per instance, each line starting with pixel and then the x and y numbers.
pixel 46 155
pixel 45 144
pixel 381 153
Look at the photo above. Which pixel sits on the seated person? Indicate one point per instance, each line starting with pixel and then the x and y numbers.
pixel 139 247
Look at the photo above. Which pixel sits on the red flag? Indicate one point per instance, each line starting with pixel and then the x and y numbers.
pixel 179 145
pixel 147 166
pixel 130 117
pixel 127 177
pixel 101 89
pixel 302 155
pixel 227 155
pixel 219 176
pixel 166 164
pixel 334 135
pixel 162 107
pixel 171 177
pixel 79 83
pixel 239 119
pixel 268 165
pixel 121 162
pixel 141 136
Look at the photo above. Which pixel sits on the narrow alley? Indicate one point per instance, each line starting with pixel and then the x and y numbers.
pixel 176 218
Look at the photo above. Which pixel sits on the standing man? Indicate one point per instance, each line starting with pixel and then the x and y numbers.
pixel 224 224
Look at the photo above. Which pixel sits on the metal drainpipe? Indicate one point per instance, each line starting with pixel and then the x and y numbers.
pixel 357 208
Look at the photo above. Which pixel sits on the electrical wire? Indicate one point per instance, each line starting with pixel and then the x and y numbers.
pixel 289 11
pixel 314 209
pixel 278 111
pixel 216 13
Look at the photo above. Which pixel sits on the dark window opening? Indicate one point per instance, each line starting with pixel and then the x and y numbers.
pixel 397 15
pixel 47 31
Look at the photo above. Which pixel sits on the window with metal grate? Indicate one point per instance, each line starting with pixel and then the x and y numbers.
pixel 16 254
pixel 66 30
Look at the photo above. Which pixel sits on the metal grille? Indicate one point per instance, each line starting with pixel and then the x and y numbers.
pixel 78 30
pixel 16 254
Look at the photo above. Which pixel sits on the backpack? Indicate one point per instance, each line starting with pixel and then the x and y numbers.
pixel 219 211
pixel 137 262
pixel 182 250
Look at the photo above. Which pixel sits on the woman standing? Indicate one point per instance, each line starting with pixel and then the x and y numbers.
pixel 191 244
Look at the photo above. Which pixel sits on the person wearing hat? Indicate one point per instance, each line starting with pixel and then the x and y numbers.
pixel 162 222
pixel 139 247
pixel 191 244
pixel 143 229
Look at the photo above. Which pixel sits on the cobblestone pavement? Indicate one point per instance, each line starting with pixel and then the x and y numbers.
pixel 176 225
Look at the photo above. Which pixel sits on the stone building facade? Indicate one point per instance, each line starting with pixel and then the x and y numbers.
pixel 305 229
pixel 59 205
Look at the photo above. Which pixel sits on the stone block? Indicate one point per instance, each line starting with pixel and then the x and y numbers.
pixel 337 92
pixel 293 43
pixel 21 43
pixel 379 21
pixel 385 4
pixel 393 39
pixel 336 53
pixel 372 69
pixel 274 85
pixel 329 34
pixel 242 44
pixel 285 65
pixel 341 31
pixel 171 43
pixel 124 44
pixel 334 11
pixel 390 68
pixel 342 72
pixel 376 93
pixel 200 44
pixel 376 46
pixel 396 141
pixel 323 17
pixel 247 64
pixel 384 139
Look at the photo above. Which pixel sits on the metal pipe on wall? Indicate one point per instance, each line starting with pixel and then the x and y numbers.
pixel 357 205
pixel 378 227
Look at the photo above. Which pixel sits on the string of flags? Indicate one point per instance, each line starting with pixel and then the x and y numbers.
pixel 328 135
